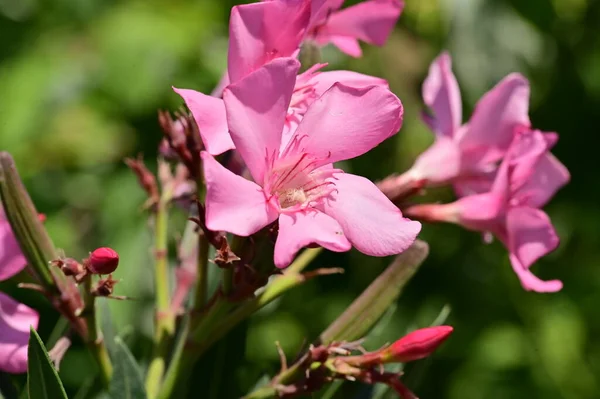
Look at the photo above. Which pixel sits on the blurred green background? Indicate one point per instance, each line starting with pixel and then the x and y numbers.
pixel 80 85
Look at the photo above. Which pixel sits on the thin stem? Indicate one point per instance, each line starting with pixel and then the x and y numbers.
pixel 201 291
pixel 165 318
pixel 95 341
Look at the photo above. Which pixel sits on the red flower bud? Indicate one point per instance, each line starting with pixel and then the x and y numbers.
pixel 416 345
pixel 103 261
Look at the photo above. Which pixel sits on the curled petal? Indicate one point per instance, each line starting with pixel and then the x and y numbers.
pixel 346 122
pixel 256 109
pixel 369 220
pixel 15 322
pixel 209 114
pixel 234 204
pixel 530 236
pixel 300 229
pixel 347 45
pixel 442 95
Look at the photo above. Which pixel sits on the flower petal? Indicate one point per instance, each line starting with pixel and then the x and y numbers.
pixel 371 21
pixel 347 45
pixel 324 80
pixel 530 236
pixel 12 260
pixel 234 204
pixel 346 122
pixel 261 32
pixel 15 321
pixel 209 114
pixel 256 110
pixel 369 220
pixel 547 178
pixel 438 164
pixel 492 126
pixel 300 229
pixel 442 95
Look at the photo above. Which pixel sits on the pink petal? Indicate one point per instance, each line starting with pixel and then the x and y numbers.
pixel 371 21
pixel 346 44
pixel 492 126
pixel 256 110
pixel 324 80
pixel 547 178
pixel 12 260
pixel 15 321
pixel 530 236
pixel 438 164
pixel 481 212
pixel 346 122
pixel 526 150
pixel 300 229
pixel 369 220
pixel 442 95
pixel 320 9
pixel 209 114
pixel 261 32
pixel 223 83
pixel 234 204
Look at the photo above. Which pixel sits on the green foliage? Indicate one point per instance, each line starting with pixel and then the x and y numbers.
pixel 42 379
pixel 127 381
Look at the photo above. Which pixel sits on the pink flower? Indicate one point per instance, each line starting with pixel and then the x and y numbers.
pixel 209 112
pixel 464 153
pixel 294 180
pixel 526 180
pixel 371 21
pixel 15 318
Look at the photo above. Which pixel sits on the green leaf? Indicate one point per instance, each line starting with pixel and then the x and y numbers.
pixel 42 378
pixel 358 319
pixel 24 221
pixel 127 382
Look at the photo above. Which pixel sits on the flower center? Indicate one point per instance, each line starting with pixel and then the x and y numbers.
pixel 297 181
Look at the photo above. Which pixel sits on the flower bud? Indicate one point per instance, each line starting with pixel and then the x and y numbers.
pixel 416 345
pixel 103 261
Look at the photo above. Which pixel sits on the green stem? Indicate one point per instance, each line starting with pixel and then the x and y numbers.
pixel 165 319
pixel 95 341
pixel 201 291
pixel 217 321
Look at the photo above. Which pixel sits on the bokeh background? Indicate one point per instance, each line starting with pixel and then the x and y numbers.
pixel 80 85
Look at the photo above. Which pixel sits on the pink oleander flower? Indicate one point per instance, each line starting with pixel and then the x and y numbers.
pixel 462 154
pixel 371 21
pixel 15 318
pixel 209 111
pixel 294 178
pixel 526 180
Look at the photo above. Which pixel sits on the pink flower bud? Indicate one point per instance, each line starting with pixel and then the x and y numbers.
pixel 103 261
pixel 416 345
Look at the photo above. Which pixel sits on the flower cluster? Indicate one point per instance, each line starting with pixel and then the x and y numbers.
pixel 253 164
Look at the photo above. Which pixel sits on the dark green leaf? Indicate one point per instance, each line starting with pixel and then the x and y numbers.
pixel 42 378
pixel 367 309
pixel 127 382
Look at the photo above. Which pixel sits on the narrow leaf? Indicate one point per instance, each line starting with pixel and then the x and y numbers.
pixel 364 312
pixel 127 382
pixel 24 221
pixel 42 378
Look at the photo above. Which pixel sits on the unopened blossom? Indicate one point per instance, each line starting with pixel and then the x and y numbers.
pixel 413 346
pixel 15 318
pixel 209 111
pixel 370 21
pixel 511 210
pixel 463 154
pixel 294 181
